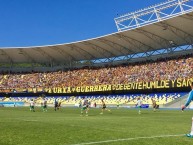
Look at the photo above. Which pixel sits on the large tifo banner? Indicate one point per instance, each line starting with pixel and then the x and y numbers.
pixel 164 84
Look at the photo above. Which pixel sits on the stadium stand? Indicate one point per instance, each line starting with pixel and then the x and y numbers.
pixel 128 99
pixel 164 69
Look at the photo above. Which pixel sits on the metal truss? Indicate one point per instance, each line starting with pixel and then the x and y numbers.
pixel 140 50
pixel 156 13
pixel 150 54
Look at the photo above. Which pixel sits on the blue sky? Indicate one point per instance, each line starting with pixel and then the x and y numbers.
pixel 46 22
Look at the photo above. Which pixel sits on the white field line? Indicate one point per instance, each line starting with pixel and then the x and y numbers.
pixel 127 139
pixel 21 119
pixel 26 120
pixel 29 120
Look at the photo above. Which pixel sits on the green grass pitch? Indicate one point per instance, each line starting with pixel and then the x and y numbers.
pixel 19 126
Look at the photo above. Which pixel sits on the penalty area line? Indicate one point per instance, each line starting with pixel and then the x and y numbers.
pixel 127 139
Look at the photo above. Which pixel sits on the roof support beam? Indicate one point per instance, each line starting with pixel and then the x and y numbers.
pixel 106 50
pixel 187 16
pixel 164 43
pixel 119 46
pixel 136 43
pixel 45 54
pixel 79 52
pixel 8 57
pixel 99 49
pixel 60 52
pixel 87 52
pixel 63 53
pixel 56 50
pixel 22 51
pixel 188 38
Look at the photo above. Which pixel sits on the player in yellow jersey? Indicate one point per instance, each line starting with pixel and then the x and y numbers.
pixel 104 107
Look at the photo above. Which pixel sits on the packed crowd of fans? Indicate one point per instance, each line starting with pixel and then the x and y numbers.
pixel 149 71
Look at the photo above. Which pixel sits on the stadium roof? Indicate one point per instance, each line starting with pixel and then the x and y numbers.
pixel 168 32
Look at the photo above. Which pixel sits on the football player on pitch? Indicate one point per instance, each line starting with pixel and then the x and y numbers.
pixel 104 107
pixel 85 108
pixel 139 104
pixel 190 98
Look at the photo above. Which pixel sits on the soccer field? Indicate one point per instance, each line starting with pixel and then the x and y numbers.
pixel 19 126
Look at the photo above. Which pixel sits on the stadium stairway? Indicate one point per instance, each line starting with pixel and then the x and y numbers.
pixel 177 103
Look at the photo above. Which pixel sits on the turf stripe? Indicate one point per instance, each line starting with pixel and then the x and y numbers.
pixel 126 139
pixel 29 120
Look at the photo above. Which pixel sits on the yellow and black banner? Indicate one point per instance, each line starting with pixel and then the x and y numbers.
pixel 163 84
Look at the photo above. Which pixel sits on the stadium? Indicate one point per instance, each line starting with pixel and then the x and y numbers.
pixel 126 87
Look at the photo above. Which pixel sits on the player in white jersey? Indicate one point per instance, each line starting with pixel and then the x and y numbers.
pixel 139 104
pixel 85 106
pixel 44 105
pixel 32 105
